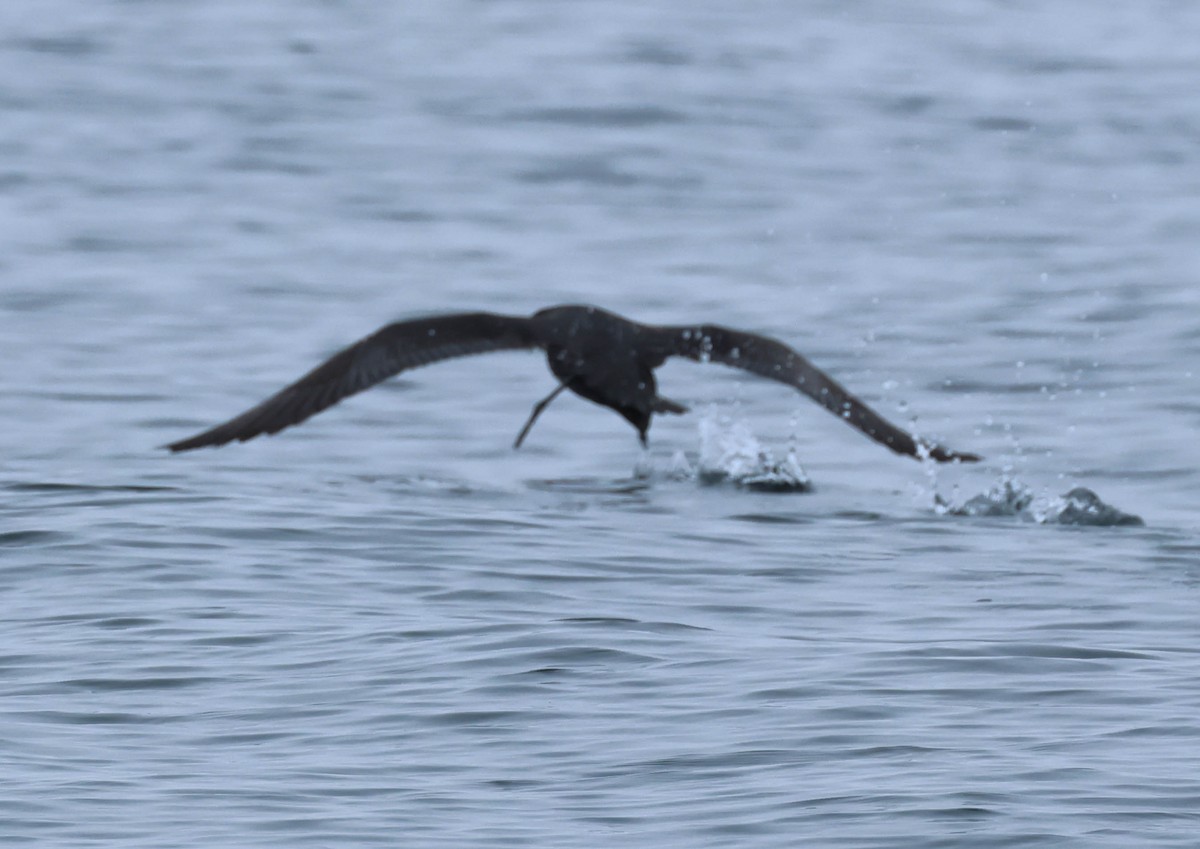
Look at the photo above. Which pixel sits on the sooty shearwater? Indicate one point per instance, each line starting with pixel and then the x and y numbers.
pixel 599 355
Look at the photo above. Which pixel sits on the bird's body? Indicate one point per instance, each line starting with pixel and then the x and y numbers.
pixel 596 354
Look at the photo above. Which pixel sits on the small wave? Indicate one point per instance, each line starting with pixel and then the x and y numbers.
pixel 602 116
pixel 28 538
pixel 407 484
pixel 1079 506
pixel 53 486
pixel 591 485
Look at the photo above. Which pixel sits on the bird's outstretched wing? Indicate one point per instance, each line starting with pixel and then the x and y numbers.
pixel 389 351
pixel 772 359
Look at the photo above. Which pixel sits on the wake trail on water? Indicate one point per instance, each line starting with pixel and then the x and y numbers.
pixel 730 454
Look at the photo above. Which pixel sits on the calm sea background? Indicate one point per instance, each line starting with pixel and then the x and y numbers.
pixel 386 628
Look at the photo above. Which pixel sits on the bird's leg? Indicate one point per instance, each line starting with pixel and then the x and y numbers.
pixel 537 411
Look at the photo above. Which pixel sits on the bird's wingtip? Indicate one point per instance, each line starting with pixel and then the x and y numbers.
pixel 181 445
pixel 931 451
pixel 944 456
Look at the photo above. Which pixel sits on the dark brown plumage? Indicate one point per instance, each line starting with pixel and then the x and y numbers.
pixel 596 354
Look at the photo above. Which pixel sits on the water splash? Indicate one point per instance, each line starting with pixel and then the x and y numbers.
pixel 1011 497
pixel 730 453
pixel 1081 506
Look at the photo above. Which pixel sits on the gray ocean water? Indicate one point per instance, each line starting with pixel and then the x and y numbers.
pixel 386 628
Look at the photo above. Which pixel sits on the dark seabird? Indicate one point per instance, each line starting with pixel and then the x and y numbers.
pixel 596 354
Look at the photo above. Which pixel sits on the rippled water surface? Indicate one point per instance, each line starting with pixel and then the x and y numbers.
pixel 386 628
